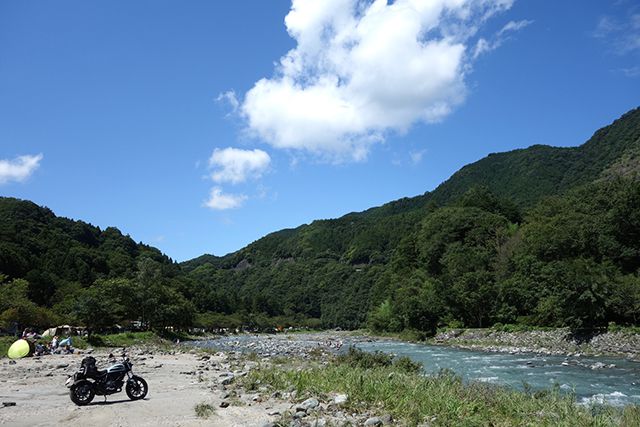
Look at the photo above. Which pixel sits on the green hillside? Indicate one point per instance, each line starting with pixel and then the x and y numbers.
pixel 523 176
pixel 537 236
pixel 527 175
pixel 339 269
pixel 48 265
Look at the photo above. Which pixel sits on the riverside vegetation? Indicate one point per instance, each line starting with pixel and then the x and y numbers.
pixel 541 236
pixel 362 387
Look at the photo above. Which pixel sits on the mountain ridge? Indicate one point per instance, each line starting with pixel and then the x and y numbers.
pixel 557 169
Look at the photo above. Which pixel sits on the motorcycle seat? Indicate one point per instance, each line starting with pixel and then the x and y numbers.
pixel 97 373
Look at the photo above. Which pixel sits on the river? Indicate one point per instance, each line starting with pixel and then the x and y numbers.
pixel 618 385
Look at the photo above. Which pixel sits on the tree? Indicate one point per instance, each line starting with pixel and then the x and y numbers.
pixel 101 306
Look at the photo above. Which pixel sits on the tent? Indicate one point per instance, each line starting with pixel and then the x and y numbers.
pixel 19 349
pixel 50 332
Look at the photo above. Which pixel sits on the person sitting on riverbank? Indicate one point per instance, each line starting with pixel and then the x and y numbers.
pixel 65 342
pixel 67 349
pixel 40 350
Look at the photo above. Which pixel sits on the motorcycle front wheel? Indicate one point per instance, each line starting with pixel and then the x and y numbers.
pixel 136 388
pixel 82 393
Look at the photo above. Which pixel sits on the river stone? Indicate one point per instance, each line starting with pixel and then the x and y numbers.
pixel 320 422
pixel 340 399
pixel 308 404
pixel 373 421
pixel 227 380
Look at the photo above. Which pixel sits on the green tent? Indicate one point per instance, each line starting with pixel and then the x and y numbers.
pixel 19 349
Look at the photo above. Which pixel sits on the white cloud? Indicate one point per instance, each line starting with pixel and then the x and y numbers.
pixel 515 26
pixel 221 201
pixel 19 168
pixel 622 36
pixel 234 165
pixel 483 45
pixel 631 72
pixel 363 68
pixel 230 98
pixel 416 156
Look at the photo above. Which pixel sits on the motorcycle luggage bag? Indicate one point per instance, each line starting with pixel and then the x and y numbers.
pixel 89 363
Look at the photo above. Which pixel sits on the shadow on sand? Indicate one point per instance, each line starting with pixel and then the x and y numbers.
pixel 112 402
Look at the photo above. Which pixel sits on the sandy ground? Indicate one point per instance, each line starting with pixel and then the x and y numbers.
pixel 176 384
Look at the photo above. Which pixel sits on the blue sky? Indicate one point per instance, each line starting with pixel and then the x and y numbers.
pixel 200 126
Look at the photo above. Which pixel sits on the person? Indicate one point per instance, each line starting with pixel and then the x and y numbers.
pixel 65 345
pixel 29 335
pixel 65 342
pixel 53 346
pixel 40 350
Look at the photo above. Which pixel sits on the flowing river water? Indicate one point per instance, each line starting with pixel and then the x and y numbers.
pixel 615 381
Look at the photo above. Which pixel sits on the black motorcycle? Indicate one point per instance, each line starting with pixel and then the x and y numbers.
pixel 89 381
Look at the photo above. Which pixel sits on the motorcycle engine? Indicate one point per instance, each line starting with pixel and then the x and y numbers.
pixel 113 386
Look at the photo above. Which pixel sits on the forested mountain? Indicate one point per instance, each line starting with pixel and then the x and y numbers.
pixel 339 269
pixel 539 236
pixel 56 269
pixel 522 176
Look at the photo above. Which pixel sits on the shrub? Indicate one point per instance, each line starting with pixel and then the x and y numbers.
pixel 357 358
pixel 204 410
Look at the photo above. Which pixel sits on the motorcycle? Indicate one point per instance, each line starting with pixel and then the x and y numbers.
pixel 89 381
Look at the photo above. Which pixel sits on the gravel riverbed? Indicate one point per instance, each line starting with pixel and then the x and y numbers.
pixel 551 342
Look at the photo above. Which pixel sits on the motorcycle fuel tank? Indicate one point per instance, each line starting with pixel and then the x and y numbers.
pixel 118 367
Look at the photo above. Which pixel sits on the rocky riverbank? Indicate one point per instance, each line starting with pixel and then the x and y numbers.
pixel 301 345
pixel 550 342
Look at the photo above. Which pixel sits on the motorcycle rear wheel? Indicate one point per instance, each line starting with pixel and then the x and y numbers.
pixel 82 394
pixel 136 388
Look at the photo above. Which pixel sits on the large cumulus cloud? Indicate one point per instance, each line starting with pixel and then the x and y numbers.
pixel 361 69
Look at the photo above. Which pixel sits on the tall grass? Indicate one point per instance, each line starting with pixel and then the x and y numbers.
pixel 442 400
